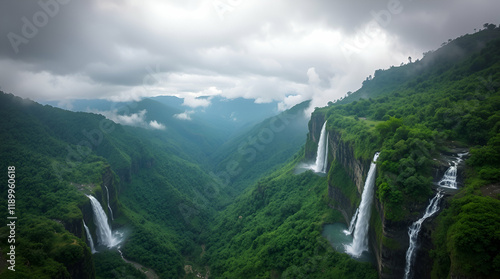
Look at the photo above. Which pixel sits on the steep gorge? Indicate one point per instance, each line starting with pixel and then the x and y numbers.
pixel 346 178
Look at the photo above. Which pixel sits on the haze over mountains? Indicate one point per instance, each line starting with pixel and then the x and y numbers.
pixel 211 196
pixel 243 139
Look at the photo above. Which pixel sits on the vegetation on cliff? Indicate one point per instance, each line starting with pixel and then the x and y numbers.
pixel 415 113
pixel 174 208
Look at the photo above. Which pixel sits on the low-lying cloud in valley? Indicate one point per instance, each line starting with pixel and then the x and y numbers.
pixel 137 119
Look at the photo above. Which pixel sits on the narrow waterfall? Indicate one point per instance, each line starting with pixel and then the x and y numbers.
pixel 104 234
pixel 89 238
pixel 360 241
pixel 109 206
pixel 449 180
pixel 322 154
pixel 414 229
pixel 353 222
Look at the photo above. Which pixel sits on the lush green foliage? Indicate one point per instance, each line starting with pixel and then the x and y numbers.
pixel 255 153
pixel 421 115
pixel 109 264
pixel 467 238
pixel 172 207
pixel 59 154
pixel 275 229
pixel 413 114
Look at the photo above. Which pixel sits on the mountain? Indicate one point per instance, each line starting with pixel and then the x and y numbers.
pixel 445 105
pixel 230 115
pixel 153 182
pixel 418 123
pixel 159 199
pixel 255 152
pixel 188 195
pixel 195 132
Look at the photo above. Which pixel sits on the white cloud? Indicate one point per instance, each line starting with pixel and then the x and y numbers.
pixel 184 115
pixel 157 126
pixel 194 102
pixel 135 119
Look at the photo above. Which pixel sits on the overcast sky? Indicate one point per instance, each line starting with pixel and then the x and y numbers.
pixel 287 51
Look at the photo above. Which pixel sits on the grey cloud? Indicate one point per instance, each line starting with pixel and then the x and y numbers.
pixel 260 50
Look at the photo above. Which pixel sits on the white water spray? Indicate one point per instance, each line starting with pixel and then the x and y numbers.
pixel 414 229
pixel 449 179
pixel 322 154
pixel 104 233
pixel 109 206
pixel 89 238
pixel 353 222
pixel 360 241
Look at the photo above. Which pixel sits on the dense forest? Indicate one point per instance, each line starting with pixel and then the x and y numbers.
pixel 192 201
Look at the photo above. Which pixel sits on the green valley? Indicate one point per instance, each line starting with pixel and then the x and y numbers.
pixel 197 199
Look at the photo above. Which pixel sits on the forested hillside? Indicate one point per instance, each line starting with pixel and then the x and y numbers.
pixel 193 200
pixel 245 158
pixel 419 112
pixel 413 115
pixel 60 156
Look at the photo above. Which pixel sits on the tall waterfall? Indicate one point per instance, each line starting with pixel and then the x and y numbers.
pixel 89 238
pixel 353 222
pixel 322 154
pixel 109 206
pixel 449 180
pixel 360 241
pixel 104 234
pixel 414 229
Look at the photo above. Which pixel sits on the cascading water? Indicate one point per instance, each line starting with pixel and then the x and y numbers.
pixel 109 206
pixel 449 180
pixel 353 222
pixel 360 241
pixel 104 233
pixel 414 229
pixel 89 238
pixel 322 154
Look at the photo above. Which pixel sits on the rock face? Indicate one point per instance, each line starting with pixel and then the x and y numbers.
pixel 390 260
pixel 343 153
pixel 388 239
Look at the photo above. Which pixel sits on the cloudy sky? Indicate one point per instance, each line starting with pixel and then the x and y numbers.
pixel 282 50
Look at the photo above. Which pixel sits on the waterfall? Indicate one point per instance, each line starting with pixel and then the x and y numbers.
pixel 322 154
pixel 109 206
pixel 360 241
pixel 449 179
pixel 414 229
pixel 104 234
pixel 89 238
pixel 353 222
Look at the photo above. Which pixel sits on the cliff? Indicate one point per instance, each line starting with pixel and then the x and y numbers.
pixel 83 267
pixel 346 174
pixel 346 178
